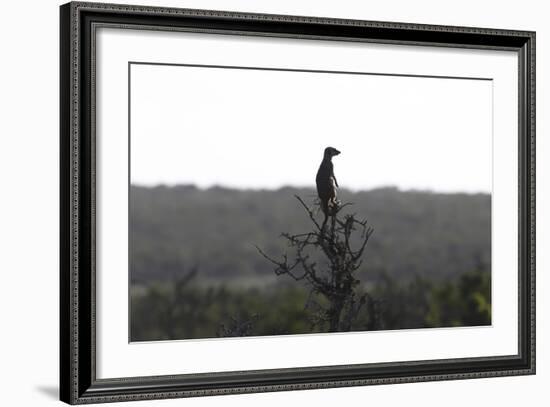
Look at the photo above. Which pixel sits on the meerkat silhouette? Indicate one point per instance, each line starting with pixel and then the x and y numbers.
pixel 327 185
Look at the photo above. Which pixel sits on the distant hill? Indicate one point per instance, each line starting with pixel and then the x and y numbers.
pixel 173 229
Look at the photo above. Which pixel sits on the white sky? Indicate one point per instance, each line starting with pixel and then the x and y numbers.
pixel 265 129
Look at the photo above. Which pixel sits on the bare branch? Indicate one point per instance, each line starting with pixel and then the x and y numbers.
pixel 336 282
pixel 309 211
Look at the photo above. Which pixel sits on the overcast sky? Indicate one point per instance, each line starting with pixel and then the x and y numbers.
pixel 265 129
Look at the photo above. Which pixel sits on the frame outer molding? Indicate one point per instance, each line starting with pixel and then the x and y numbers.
pixel 78 384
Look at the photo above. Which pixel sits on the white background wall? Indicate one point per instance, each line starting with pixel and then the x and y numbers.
pixel 29 163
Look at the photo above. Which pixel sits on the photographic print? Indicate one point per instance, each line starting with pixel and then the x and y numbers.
pixel 268 201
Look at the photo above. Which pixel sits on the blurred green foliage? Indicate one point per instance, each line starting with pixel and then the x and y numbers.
pixel 467 302
pixel 166 310
pixel 424 303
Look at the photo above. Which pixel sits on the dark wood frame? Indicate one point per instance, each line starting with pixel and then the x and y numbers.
pixel 78 382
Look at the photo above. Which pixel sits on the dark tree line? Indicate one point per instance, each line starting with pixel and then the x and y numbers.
pixel 437 236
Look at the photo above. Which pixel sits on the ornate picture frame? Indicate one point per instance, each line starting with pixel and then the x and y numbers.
pixel 79 350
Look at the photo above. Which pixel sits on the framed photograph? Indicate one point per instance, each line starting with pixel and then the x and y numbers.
pixel 255 203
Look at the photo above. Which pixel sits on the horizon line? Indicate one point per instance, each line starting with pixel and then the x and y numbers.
pixel 312 187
